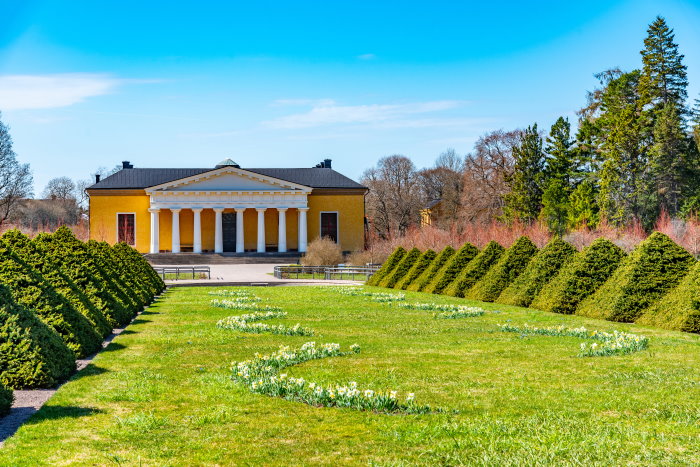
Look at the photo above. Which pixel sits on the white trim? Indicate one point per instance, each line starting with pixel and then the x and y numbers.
pixel 230 170
pixel 337 224
pixel 117 231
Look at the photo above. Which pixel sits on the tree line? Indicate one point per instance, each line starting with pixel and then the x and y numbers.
pixel 633 155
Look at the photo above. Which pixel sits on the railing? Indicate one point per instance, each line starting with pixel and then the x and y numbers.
pixel 325 272
pixel 174 272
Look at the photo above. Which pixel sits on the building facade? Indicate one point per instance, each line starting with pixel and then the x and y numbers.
pixel 227 209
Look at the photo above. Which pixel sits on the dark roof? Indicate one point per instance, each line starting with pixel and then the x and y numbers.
pixel 145 178
pixel 433 203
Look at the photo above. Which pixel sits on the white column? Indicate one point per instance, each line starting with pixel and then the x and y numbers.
pixel 218 231
pixel 261 229
pixel 240 238
pixel 303 237
pixel 282 230
pixel 197 237
pixel 175 235
pixel 155 230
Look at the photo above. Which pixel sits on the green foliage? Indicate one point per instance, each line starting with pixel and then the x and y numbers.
pixel 6 400
pixel 32 355
pixel 555 207
pixel 138 263
pixel 30 289
pixel 524 200
pixel 679 309
pixel 47 263
pixel 512 263
pixel 475 269
pixel 432 270
pixel 419 266
pixel 580 277
pixel 124 289
pixel 582 207
pixel 388 266
pixel 539 271
pixel 401 269
pixel 652 269
pixel 451 269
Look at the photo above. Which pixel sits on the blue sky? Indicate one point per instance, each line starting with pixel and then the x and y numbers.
pixel 85 84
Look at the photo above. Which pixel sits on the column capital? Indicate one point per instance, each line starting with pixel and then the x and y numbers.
pixel 302 209
pixel 240 208
pixel 261 209
pixel 218 209
pixel 175 210
pixel 156 210
pixel 196 209
pixel 282 209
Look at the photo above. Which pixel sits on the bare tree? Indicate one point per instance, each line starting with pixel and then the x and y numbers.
pixel 394 199
pixel 62 188
pixel 485 174
pixel 15 178
pixel 443 182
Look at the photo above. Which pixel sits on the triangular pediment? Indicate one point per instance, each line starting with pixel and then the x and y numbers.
pixel 228 179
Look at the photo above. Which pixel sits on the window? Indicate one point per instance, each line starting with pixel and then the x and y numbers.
pixel 125 228
pixel 329 225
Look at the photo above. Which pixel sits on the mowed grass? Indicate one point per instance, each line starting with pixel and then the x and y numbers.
pixel 161 394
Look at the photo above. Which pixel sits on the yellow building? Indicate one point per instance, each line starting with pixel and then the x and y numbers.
pixel 227 209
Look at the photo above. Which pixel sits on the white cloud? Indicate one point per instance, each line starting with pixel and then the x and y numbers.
pixel 367 57
pixel 392 115
pixel 22 92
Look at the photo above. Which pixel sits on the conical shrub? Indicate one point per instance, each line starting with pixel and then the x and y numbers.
pixel 30 289
pixel 49 265
pixel 401 269
pixel 580 277
pixel 6 400
pixel 138 263
pixel 512 263
pixel 451 269
pixel 419 266
pixel 652 269
pixel 678 310
pixel 388 266
pixel 475 270
pixel 431 271
pixel 541 269
pixel 124 288
pixel 32 355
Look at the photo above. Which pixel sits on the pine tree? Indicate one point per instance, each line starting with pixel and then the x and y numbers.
pixel 583 210
pixel 664 79
pixel 555 206
pixel 524 201
pixel 667 161
pixel 559 176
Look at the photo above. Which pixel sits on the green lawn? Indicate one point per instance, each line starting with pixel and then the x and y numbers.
pixel 161 394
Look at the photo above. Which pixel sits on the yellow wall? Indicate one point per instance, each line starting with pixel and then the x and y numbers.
pixel 104 209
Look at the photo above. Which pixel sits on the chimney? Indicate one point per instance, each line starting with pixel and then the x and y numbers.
pixel 97 178
pixel 327 163
pixel 127 165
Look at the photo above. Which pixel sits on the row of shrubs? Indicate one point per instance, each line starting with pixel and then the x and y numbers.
pixel 59 299
pixel 657 284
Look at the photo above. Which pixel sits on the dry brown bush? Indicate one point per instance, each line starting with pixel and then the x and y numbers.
pixel 322 252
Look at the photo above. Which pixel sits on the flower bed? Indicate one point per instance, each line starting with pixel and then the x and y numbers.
pixel 247 323
pixel 243 304
pixel 614 343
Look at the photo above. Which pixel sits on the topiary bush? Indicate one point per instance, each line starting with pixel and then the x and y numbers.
pixel 678 310
pixel 138 263
pixel 401 269
pixel 388 266
pixel 419 266
pixel 49 265
pixel 541 269
pixel 512 263
pixel 30 289
pixel 6 400
pixel 652 269
pixel 32 355
pixel 580 277
pixel 122 286
pixel 451 269
pixel 431 271
pixel 475 270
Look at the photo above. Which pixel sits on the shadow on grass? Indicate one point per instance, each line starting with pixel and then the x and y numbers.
pixel 140 321
pixel 89 370
pixel 114 346
pixel 30 415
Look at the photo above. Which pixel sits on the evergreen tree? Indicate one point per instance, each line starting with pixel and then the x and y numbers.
pixel 664 79
pixel 560 159
pixel 582 210
pixel 555 206
pixel 667 161
pixel 524 201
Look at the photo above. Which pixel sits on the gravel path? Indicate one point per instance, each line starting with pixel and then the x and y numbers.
pixel 29 401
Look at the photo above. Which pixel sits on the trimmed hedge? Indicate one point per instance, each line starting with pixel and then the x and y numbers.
pixel 580 278
pixel 419 266
pixel 123 289
pixel 430 272
pixel 451 269
pixel 49 265
pixel 401 269
pixel 475 270
pixel 541 269
pixel 512 263
pixel 678 310
pixel 137 262
pixel 388 266
pixel 6 400
pixel 652 269
pixel 32 355
pixel 80 266
pixel 30 289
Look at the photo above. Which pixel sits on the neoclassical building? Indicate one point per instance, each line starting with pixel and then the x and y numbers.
pixel 227 209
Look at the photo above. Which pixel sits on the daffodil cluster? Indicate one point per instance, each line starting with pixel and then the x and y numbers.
pixel 240 303
pixel 374 296
pixel 448 310
pixel 233 293
pixel 466 312
pixel 247 323
pixel 609 343
pixel 261 375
